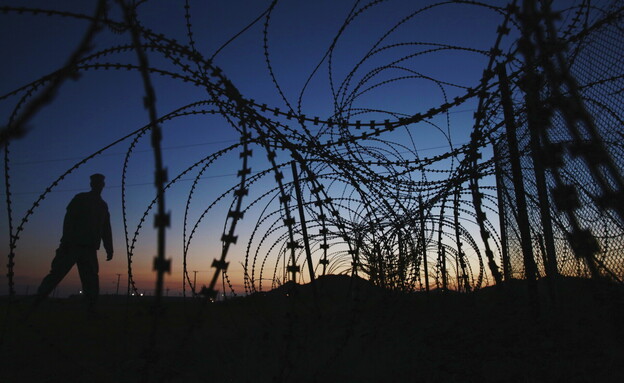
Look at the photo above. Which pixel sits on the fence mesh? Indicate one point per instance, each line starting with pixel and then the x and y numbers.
pixel 594 57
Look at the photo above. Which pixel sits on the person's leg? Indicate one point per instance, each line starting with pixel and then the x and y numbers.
pixel 88 269
pixel 61 264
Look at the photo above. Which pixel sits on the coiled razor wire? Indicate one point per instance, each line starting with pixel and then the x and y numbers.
pixel 364 199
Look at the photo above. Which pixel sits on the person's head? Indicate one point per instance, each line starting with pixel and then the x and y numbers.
pixel 97 182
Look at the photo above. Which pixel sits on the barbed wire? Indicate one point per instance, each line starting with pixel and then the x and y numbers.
pixel 540 178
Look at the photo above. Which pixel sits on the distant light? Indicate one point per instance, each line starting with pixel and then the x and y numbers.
pixel 80 292
pixel 141 294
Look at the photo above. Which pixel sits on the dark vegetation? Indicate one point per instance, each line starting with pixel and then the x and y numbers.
pixel 351 332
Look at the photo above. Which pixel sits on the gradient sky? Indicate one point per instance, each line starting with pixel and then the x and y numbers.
pixel 104 105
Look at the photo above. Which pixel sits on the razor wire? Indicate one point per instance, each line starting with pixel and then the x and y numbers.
pixel 371 204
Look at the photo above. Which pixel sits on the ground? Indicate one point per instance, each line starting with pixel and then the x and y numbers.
pixel 348 331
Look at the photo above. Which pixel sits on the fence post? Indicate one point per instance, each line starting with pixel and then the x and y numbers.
pixel 518 180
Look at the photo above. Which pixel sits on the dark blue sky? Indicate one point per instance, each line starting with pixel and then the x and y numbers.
pixel 106 104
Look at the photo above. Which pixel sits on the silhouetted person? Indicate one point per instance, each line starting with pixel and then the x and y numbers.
pixel 86 224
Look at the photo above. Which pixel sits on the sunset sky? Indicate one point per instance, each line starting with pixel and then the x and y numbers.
pixel 103 105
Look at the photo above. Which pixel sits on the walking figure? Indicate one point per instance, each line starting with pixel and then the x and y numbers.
pixel 86 224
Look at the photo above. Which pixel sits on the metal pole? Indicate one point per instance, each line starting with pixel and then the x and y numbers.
pixel 304 230
pixel 501 214
pixel 535 125
pixel 523 218
pixel 293 268
pixel 423 242
pixel 459 260
pixel 118 278
pixel 444 282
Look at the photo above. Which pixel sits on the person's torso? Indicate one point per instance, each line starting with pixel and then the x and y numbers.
pixel 85 218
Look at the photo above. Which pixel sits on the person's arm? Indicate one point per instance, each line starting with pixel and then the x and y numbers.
pixel 107 237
